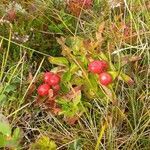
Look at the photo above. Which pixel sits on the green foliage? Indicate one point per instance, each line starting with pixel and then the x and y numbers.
pixel 43 143
pixel 3 97
pixel 122 31
pixel 5 129
pixel 61 61
pixel 66 76
pixel 7 137
pixel 76 145
pixel 71 108
pixel 77 54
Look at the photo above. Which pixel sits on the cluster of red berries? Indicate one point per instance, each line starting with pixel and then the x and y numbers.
pixel 51 82
pixel 100 67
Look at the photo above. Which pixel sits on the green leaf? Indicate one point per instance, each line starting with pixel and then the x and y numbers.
pixel 10 88
pixel 54 28
pixel 103 56
pixel 5 128
pixel 121 76
pixel 76 145
pixel 77 46
pixel 61 61
pixel 110 93
pixel 77 98
pixel 69 109
pixel 126 78
pixel 1 88
pixel 12 142
pixel 2 141
pixel 3 97
pixel 64 88
pixel 73 68
pixel 76 80
pixel 94 82
pixel 16 135
pixel 114 74
pixel 66 76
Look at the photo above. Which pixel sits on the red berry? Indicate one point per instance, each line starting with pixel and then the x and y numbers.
pixel 56 88
pixel 98 66
pixel 54 80
pixel 105 78
pixel 43 89
pixel 105 64
pixel 47 77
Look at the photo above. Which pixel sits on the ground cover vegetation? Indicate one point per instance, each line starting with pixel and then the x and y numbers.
pixel 74 74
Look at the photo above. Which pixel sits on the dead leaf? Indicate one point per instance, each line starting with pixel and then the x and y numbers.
pixel 72 94
pixel 3 119
pixel 39 100
pixel 127 59
pixel 56 110
pixel 32 86
pixel 31 90
pixel 90 45
pixel 50 104
pixel 110 94
pixel 71 120
pixel 29 78
pixel 11 15
pixel 75 6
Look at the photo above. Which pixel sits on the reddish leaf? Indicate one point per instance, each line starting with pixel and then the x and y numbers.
pixel 110 94
pixel 39 100
pixel 75 6
pixel 74 91
pixel 56 110
pixel 71 120
pixel 50 103
pixel 11 14
pixel 31 89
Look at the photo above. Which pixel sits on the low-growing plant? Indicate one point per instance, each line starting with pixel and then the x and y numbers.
pixel 43 143
pixel 8 138
pixel 84 72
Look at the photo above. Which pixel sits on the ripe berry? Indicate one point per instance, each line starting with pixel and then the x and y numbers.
pixel 54 80
pixel 47 77
pixel 98 66
pixel 105 64
pixel 105 78
pixel 43 89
